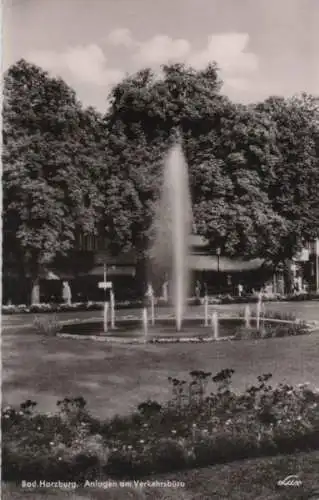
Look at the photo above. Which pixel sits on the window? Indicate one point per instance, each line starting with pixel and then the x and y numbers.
pixel 85 242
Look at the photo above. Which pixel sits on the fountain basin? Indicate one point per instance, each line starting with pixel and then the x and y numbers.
pixel 163 327
pixel 130 330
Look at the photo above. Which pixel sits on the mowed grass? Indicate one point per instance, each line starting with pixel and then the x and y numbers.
pixel 244 480
pixel 115 379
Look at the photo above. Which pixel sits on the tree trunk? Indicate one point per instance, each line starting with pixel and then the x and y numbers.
pixel 35 291
pixel 141 276
pixel 288 277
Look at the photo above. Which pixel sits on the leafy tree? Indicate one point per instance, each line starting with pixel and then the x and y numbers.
pixel 179 97
pixel 254 178
pixel 229 169
pixel 145 111
pixel 293 186
pixel 48 168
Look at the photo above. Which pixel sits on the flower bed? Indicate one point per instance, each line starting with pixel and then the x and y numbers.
pixel 230 299
pixel 132 304
pixel 55 308
pixel 196 427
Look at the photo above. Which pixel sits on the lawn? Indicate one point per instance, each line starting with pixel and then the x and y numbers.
pixel 243 480
pixel 114 379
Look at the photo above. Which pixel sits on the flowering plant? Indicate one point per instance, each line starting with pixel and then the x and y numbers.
pixel 197 426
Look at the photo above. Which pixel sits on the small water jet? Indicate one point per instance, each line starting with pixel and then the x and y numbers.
pixel 172 225
pixel 145 324
pixel 112 306
pixel 215 325
pixel 206 310
pixel 105 316
pixel 258 311
pixel 152 299
pixel 247 316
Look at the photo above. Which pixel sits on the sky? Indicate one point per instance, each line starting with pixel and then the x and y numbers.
pixel 262 47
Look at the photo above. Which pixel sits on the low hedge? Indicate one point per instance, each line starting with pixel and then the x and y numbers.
pixel 196 427
pixel 56 308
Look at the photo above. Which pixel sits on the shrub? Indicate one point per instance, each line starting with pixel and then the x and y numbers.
pixel 47 326
pixel 269 314
pixel 170 454
pixel 269 329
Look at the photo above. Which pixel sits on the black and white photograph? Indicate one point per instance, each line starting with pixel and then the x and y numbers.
pixel 160 249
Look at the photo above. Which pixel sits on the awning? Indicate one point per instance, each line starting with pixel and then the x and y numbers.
pixel 123 259
pixel 210 263
pixel 56 274
pixel 111 271
pixel 195 240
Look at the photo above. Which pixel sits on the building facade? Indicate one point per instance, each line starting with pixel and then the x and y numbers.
pixel 215 274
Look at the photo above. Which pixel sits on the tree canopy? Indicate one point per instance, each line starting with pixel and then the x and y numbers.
pixel 253 169
pixel 293 182
pixel 49 167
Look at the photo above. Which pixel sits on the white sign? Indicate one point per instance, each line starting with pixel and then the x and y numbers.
pixel 105 284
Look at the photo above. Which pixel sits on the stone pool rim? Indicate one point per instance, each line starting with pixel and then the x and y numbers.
pixel 178 338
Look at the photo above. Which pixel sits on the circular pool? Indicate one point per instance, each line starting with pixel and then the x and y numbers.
pixel 164 330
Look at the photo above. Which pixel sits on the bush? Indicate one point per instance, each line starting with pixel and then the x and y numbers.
pixel 269 314
pixel 47 326
pixel 270 329
pixel 195 427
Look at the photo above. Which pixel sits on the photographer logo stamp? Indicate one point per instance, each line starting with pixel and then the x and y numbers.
pixel 292 481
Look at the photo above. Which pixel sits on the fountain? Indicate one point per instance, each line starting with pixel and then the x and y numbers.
pixel 170 258
pixel 172 226
pixel 170 261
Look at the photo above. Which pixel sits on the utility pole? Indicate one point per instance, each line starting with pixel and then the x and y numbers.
pixel 317 264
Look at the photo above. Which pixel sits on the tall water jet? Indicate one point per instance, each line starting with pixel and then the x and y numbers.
pixel 172 226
